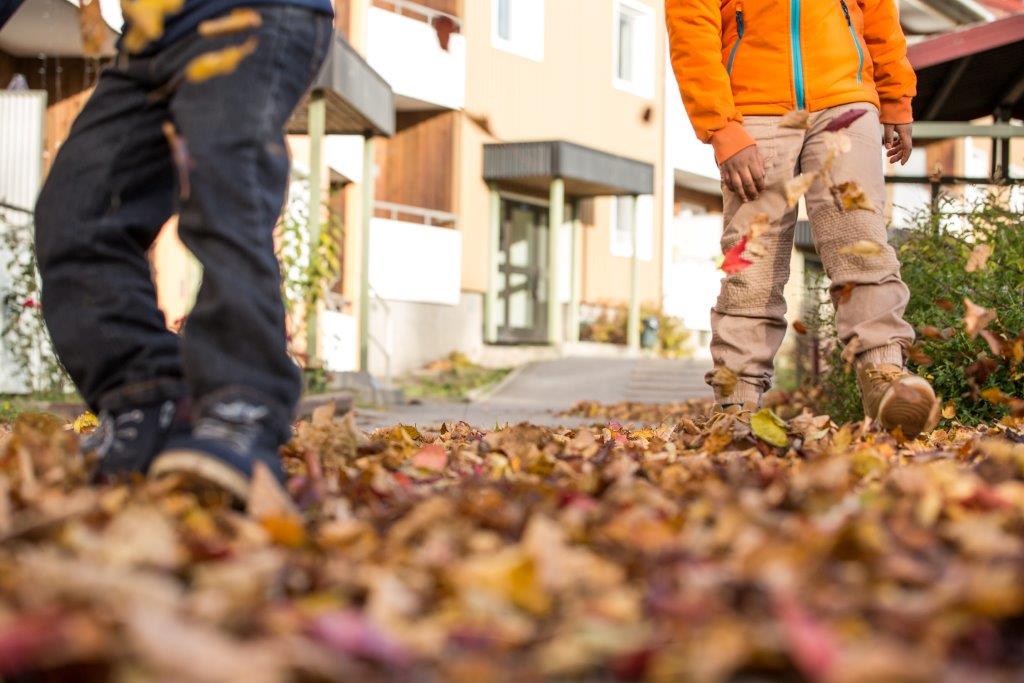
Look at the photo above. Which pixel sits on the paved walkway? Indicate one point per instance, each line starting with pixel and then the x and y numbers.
pixel 537 392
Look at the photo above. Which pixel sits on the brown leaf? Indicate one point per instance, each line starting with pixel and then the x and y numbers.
pixel 799 327
pixel 724 379
pixel 845 293
pixel 976 318
pixel 850 197
pixel 949 411
pixel 917 356
pixel 996 343
pixel 239 19
pixel 798 118
pixel 945 304
pixel 181 158
pixel 266 496
pixel 93 28
pixel 851 351
pixel 797 187
pixel 979 258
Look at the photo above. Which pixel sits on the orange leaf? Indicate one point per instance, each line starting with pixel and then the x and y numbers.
pixel 241 19
pixel 219 62
pixel 799 327
pixel 93 29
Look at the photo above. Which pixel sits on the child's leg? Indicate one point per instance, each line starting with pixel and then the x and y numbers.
pixel 748 322
pixel 234 342
pixel 869 295
pixel 108 194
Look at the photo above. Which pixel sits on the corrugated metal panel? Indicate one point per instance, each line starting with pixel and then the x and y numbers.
pixel 592 171
pixel 22 116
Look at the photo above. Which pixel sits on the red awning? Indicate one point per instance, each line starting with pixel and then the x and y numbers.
pixel 972 72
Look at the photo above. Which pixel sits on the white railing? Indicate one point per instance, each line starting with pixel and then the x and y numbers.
pixel 384 347
pixel 402 212
pixel 417 11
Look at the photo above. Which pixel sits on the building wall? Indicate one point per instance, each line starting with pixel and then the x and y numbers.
pixel 569 95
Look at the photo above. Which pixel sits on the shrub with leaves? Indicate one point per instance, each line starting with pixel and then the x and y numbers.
pixel 965 271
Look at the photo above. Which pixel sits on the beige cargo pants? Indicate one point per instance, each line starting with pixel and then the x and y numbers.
pixel 748 321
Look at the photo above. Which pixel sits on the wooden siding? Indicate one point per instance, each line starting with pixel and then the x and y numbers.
pixel 416 165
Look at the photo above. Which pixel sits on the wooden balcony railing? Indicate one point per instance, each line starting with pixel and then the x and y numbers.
pixel 427 11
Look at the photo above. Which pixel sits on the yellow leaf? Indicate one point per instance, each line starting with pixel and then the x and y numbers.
pixel 85 423
pixel 995 396
pixel 978 258
pixel 219 62
pixel 770 428
pixel 866 248
pixel 949 411
pixel 145 20
pixel 286 530
pixel 241 19
pixel 850 196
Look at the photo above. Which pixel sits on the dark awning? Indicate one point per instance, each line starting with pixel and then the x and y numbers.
pixel 359 100
pixel 587 172
pixel 970 73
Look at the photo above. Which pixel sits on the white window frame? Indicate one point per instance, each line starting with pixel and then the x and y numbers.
pixel 526 26
pixel 642 14
pixel 622 243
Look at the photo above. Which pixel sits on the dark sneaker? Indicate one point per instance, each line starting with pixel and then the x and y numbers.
pixel 227 441
pixel 897 399
pixel 127 441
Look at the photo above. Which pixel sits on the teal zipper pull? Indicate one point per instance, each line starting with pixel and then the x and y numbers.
pixel 856 43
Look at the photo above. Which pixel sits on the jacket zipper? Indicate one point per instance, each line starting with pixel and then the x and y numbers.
pixel 798 59
pixel 739 31
pixel 856 43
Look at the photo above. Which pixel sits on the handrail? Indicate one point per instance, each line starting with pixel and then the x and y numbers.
pixel 417 9
pixel 11 207
pixel 383 347
pixel 430 217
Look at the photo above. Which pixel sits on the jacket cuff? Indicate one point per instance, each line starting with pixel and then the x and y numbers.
pixel 897 111
pixel 729 140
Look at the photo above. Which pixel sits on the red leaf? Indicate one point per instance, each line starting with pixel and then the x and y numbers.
pixel 431 457
pixel 812 645
pixel 734 261
pixel 845 119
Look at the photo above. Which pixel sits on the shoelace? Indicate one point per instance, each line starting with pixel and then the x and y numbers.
pixel 885 375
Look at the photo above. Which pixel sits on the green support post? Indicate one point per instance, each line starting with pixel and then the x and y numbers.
pixel 577 274
pixel 494 247
pixel 364 276
pixel 317 127
pixel 633 334
pixel 556 216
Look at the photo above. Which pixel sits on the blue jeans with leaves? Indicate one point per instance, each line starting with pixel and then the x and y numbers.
pixel 115 183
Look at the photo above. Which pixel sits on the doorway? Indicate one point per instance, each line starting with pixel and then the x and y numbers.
pixel 522 281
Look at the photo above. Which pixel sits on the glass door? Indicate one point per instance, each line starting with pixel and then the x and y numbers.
pixel 522 287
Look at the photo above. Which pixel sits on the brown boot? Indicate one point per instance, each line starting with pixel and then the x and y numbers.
pixel 896 398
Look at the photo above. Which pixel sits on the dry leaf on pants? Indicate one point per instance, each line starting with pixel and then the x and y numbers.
pixel 850 196
pixel 797 187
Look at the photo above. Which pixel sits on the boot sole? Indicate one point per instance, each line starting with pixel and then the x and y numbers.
pixel 206 469
pixel 915 419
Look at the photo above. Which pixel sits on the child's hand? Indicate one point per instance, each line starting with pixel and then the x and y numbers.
pixel 899 142
pixel 743 173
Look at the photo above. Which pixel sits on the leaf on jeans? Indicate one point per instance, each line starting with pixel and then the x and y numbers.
pixel 976 318
pixel 865 248
pixel 219 62
pixel 845 293
pixel 93 29
pixel 797 187
pixel 145 20
pixel 759 225
pixel 798 118
pixel 240 19
pixel 724 379
pixel 181 158
pixel 734 261
pixel 850 196
pixel 799 327
pixel 770 428
pixel 978 258
pixel 837 142
pixel 85 423
pixel 845 120
pixel 851 350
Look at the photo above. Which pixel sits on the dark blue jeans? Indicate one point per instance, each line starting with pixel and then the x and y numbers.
pixel 114 185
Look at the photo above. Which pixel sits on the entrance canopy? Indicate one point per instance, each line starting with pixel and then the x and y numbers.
pixel 971 73
pixel 586 172
pixel 358 99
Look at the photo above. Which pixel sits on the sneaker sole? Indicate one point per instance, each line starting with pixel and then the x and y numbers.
pixel 204 468
pixel 914 415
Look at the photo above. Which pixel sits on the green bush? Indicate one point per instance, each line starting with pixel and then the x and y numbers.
pixel 934 253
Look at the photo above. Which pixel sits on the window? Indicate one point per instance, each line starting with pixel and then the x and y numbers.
pixel 622 215
pixel 517 26
pixel 633 39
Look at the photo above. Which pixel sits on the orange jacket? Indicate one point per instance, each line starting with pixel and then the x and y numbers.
pixel 767 57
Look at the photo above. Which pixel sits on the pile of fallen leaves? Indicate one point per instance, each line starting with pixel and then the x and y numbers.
pixel 691 550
